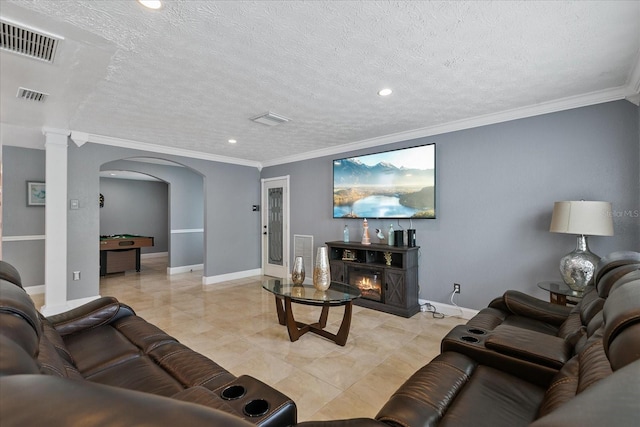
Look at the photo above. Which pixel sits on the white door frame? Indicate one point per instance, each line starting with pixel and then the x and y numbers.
pixel 270 269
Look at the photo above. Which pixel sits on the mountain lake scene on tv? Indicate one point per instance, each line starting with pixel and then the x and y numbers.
pixel 386 185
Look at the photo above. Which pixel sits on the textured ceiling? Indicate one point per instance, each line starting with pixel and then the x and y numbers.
pixel 190 75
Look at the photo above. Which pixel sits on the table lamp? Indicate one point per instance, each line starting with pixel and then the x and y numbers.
pixel 582 218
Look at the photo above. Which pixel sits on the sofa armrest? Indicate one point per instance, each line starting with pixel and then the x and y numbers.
pixel 611 401
pixel 63 402
pixel 529 345
pixel 96 313
pixel 471 341
pixel 425 398
pixel 525 305
pixel 9 273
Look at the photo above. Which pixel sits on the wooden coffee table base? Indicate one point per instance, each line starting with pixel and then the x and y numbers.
pixel 298 329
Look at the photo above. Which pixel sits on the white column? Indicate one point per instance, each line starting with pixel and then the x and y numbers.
pixel 55 274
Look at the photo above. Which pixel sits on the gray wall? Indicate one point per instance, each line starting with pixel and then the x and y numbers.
pixel 496 186
pixel 186 207
pixel 231 238
pixel 231 228
pixel 19 220
pixel 21 165
pixel 136 207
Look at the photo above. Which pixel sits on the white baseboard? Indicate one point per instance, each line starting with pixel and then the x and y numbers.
pixel 231 276
pixel 155 255
pixel 451 310
pixel 184 269
pixel 34 290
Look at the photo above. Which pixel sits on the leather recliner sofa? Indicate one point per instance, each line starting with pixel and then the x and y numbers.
pixel 522 343
pixel 461 391
pixel 519 310
pixel 100 364
pixel 598 385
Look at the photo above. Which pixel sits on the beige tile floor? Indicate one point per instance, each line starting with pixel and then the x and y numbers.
pixel 235 324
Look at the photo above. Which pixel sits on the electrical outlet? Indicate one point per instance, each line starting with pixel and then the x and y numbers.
pixel 456 288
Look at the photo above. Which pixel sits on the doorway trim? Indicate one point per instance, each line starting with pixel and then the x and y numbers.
pixel 286 217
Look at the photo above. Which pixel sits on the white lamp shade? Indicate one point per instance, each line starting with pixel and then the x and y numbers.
pixel 582 217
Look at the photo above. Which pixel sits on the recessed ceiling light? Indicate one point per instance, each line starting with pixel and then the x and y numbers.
pixel 151 4
pixel 385 92
pixel 232 141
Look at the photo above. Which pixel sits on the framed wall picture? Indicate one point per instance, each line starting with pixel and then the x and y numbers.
pixel 36 193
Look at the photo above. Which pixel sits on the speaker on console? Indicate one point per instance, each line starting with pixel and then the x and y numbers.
pixel 411 238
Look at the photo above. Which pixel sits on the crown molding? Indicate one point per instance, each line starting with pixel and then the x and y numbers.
pixel 629 92
pixel 162 149
pixel 633 83
pixel 569 103
pixel 80 138
pixel 634 99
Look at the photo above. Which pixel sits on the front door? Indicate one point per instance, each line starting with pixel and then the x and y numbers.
pixel 275 226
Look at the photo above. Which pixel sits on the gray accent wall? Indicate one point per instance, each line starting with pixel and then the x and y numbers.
pixel 496 186
pixel 231 228
pixel 21 223
pixel 209 195
pixel 186 207
pixel 136 207
pixel 21 165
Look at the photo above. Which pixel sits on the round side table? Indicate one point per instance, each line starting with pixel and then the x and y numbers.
pixel 559 291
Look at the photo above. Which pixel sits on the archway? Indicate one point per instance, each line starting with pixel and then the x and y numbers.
pixel 183 235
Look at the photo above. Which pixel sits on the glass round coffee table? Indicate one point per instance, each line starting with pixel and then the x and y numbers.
pixel 559 291
pixel 338 294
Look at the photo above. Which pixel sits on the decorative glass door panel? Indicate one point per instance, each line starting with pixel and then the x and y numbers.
pixel 275 227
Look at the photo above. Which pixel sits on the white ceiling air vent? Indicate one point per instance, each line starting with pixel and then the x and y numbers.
pixel 31 95
pixel 270 119
pixel 27 42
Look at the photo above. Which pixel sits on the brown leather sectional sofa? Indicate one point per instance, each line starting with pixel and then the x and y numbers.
pixel 536 365
pixel 526 362
pixel 100 364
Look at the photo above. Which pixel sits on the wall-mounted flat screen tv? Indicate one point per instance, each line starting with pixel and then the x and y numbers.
pixel 392 184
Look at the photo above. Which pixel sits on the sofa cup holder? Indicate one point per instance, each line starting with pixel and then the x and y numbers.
pixel 476 331
pixel 256 408
pixel 233 392
pixel 469 339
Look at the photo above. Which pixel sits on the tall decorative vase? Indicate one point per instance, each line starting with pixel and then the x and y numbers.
pixel 578 267
pixel 297 274
pixel 321 272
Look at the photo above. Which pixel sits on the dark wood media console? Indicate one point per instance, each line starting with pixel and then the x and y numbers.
pixel 390 288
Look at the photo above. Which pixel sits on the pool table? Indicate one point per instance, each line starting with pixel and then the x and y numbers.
pixel 121 252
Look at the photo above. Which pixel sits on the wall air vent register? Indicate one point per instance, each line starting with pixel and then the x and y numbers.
pixel 27 42
pixel 31 95
pixel 270 119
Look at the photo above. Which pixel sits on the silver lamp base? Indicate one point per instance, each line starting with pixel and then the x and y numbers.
pixel 579 266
